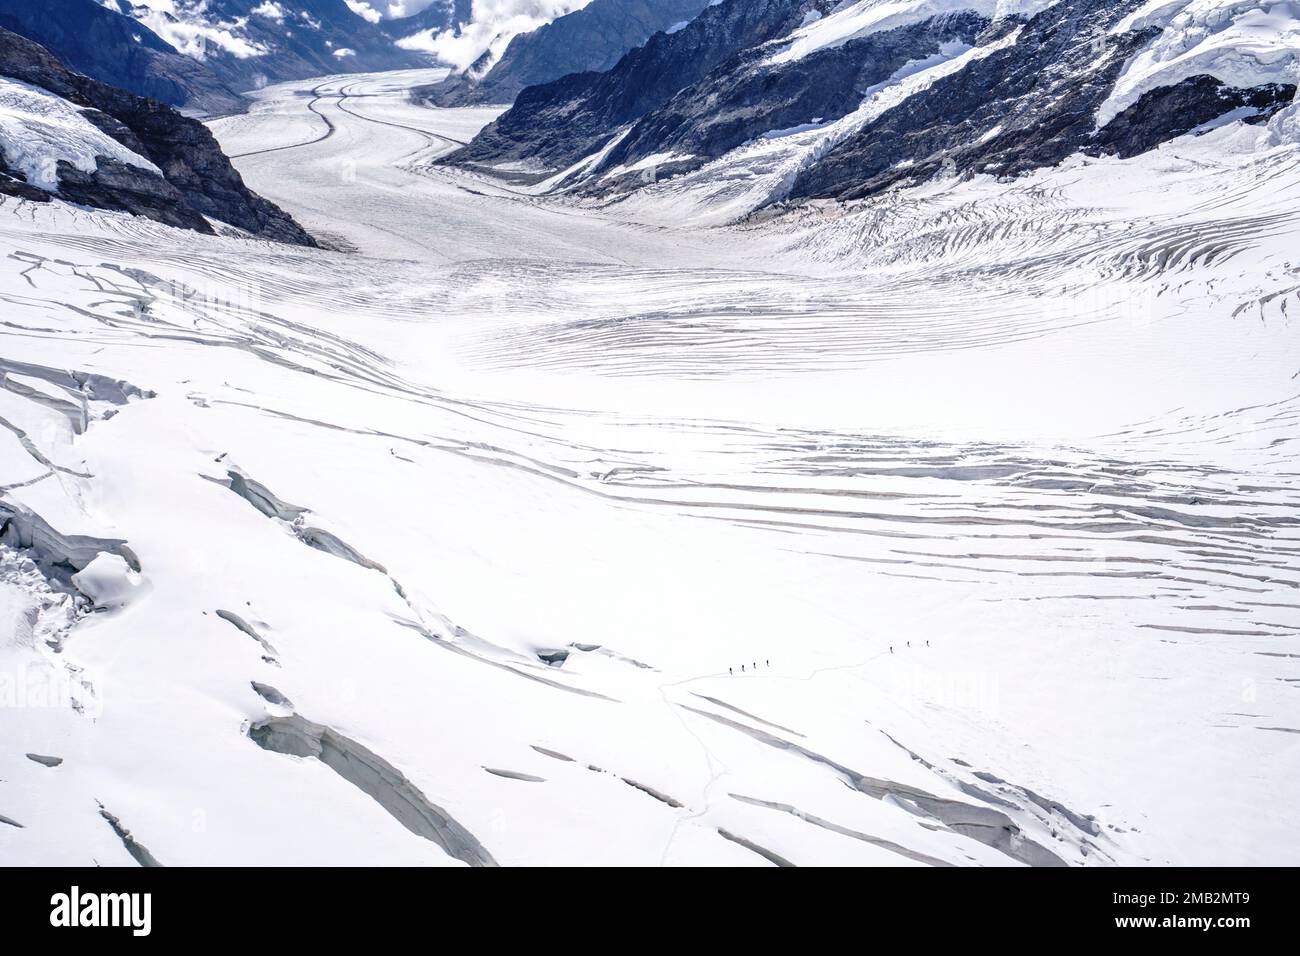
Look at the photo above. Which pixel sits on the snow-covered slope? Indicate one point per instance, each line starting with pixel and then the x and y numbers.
pixel 853 20
pixel 39 130
pixel 1239 42
pixel 952 527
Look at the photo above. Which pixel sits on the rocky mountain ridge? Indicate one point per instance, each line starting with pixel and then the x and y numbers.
pixel 168 167
pixel 900 92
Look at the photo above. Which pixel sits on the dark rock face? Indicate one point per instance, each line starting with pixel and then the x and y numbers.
pixel 198 178
pixel 115 185
pixel 14 183
pixel 1169 111
pixel 558 123
pixel 592 39
pixel 1028 105
pixel 117 50
pixel 1029 101
pixel 747 98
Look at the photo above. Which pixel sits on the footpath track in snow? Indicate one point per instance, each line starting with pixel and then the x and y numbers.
pixel 989 488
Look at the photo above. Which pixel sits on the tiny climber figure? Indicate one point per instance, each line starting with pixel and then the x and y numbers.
pixel 731 672
pixel 891 648
pixel 768 662
pixel 742 668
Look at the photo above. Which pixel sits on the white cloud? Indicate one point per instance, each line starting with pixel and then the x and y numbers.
pixel 344 51
pixel 493 24
pixel 270 10
pixel 184 24
pixel 408 8
pixel 364 10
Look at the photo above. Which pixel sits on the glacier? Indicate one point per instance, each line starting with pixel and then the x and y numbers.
pixel 957 526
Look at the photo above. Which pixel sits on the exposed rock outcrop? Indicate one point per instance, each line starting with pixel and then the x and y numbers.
pixel 1023 107
pixel 558 123
pixel 1169 111
pixel 1014 93
pixel 751 97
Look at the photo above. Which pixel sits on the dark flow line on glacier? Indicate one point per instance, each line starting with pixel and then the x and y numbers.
pixel 329 130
